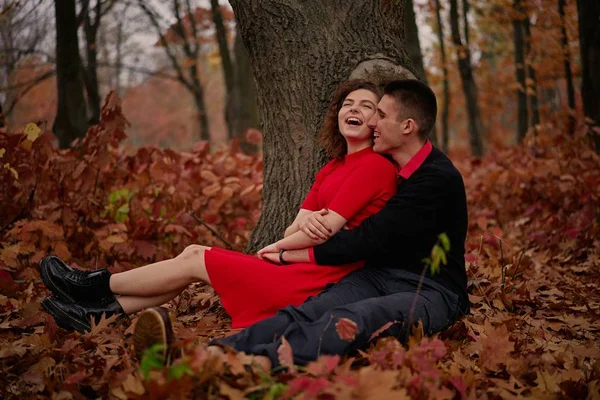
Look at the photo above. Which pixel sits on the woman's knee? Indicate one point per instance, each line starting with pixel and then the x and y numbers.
pixel 193 251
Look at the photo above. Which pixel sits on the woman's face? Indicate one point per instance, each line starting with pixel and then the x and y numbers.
pixel 357 109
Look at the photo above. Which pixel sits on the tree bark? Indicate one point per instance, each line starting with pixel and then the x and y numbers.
pixel 567 65
pixel 532 89
pixel 71 121
pixel 300 51
pixel 588 12
pixel 227 67
pixel 519 51
pixel 446 82
pixel 468 83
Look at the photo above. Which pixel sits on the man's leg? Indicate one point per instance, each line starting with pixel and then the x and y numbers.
pixel 309 338
pixel 358 285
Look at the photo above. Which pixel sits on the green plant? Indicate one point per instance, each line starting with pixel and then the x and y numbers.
pixel 118 204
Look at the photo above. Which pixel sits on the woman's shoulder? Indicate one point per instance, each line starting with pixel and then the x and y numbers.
pixel 379 162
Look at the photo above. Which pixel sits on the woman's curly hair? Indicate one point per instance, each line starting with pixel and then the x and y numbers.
pixel 330 137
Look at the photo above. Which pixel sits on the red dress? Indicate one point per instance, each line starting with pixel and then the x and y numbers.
pixel 251 289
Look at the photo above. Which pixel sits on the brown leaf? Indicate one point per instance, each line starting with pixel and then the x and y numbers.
pixel 495 348
pixel 346 329
pixel 285 355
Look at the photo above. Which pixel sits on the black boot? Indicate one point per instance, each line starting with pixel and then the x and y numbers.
pixel 74 285
pixel 77 317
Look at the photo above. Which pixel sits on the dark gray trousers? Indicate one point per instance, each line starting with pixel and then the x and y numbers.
pixel 371 297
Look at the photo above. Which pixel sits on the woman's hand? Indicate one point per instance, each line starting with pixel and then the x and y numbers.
pixel 315 226
pixel 269 250
pixel 271 257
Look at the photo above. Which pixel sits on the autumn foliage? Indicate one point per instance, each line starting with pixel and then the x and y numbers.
pixel 533 261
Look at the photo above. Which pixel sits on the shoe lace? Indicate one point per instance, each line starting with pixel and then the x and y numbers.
pixel 85 276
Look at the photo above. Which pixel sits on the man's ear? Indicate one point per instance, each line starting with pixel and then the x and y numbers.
pixel 409 125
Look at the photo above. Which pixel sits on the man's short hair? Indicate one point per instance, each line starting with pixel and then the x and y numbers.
pixel 416 100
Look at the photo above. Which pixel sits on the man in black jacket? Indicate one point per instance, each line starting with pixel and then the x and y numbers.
pixel 394 242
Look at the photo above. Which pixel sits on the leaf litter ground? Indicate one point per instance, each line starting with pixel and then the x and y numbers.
pixel 533 256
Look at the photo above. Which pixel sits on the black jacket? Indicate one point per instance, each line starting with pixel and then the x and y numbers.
pixel 402 234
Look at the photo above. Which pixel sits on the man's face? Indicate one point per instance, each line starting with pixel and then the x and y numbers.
pixel 388 132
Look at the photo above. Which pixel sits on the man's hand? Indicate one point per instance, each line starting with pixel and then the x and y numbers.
pixel 316 226
pixel 272 248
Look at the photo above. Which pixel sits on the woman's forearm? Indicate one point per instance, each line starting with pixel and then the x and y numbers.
pixel 297 240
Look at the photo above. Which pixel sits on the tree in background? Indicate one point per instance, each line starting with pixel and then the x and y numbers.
pixel 532 90
pixel 91 17
pixel 71 120
pixel 413 48
pixel 468 81
pixel 184 35
pixel 299 57
pixel 231 100
pixel 567 63
pixel 519 51
pixel 22 29
pixel 588 12
pixel 446 80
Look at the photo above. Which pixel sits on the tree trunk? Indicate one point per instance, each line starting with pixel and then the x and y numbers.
pixel 468 83
pixel 119 55
pixel 227 67
pixel 446 98
pixel 2 123
pixel 519 50
pixel 198 94
pixel 71 121
pixel 588 12
pixel 91 72
pixel 245 89
pixel 413 47
pixel 300 52
pixel 465 15
pixel 532 89
pixel 413 44
pixel 567 64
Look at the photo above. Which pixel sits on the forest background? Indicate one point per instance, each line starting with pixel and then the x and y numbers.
pixel 174 157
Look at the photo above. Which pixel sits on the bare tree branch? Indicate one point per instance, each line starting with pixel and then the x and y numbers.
pixel 165 44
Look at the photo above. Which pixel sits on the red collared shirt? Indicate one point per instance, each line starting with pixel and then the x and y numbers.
pixel 415 162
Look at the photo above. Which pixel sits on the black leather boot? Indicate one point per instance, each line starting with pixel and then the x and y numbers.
pixel 75 285
pixel 75 317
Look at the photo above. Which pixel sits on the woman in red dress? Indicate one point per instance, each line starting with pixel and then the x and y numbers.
pixel 356 183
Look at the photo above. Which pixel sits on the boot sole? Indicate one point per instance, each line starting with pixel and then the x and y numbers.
pixel 153 327
pixel 51 285
pixel 63 319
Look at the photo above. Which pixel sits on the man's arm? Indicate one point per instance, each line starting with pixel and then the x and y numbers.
pixel 412 212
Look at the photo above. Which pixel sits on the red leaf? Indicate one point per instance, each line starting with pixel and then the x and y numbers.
pixel 325 365
pixel 346 329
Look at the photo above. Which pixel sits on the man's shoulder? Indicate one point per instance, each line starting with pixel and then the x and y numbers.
pixel 439 164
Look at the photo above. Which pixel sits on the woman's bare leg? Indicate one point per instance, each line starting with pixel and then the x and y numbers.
pixel 133 304
pixel 164 276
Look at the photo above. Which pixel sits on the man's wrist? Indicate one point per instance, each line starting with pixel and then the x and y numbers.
pixel 296 256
